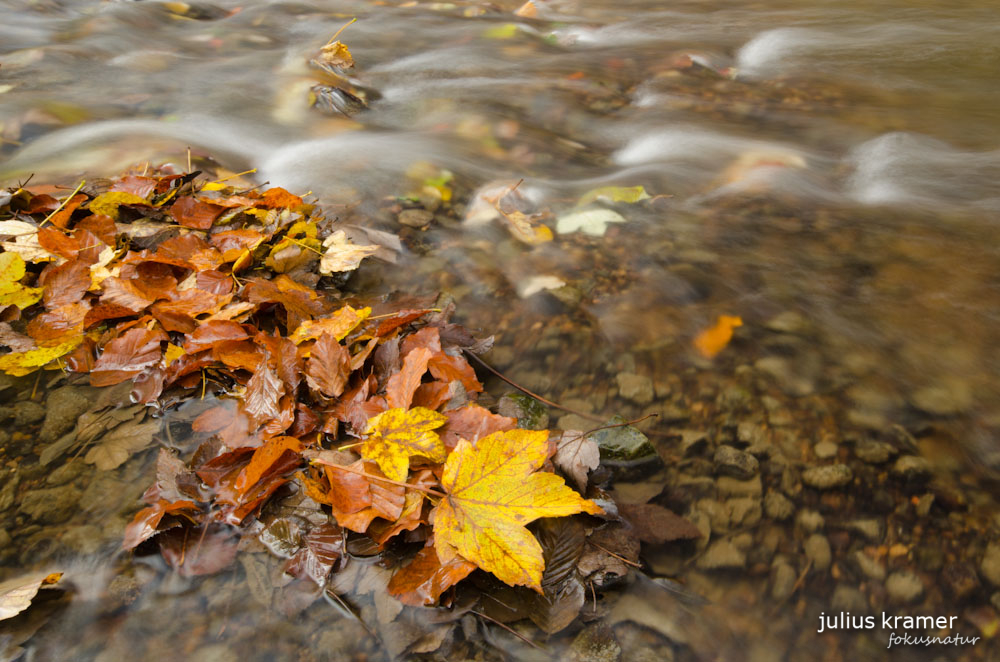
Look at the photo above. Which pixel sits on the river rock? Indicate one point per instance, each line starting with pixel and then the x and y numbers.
pixel 874 452
pixel 734 462
pixel 693 442
pixel 848 598
pixel 783 372
pixel 782 581
pixel 868 566
pixel 825 450
pixel 27 412
pixel 744 512
pixel 960 580
pixel 873 530
pixel 729 486
pixel 595 643
pixel 67 473
pixel 53 505
pixel 827 477
pixel 817 550
pixel 530 413
pixel 904 587
pixel 415 218
pixel 990 565
pixel 944 400
pixel 623 442
pixel 777 506
pixel 912 469
pixel 637 388
pixel 62 408
pixel 721 554
pixel 809 520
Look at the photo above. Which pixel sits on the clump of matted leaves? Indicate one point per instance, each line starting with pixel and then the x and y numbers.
pixel 168 289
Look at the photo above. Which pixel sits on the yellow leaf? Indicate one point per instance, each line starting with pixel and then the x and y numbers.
pixel 714 339
pixel 398 434
pixel 336 55
pixel 172 354
pixel 494 490
pixel 338 325
pixel 341 254
pixel 629 194
pixel 213 186
pixel 306 229
pixel 523 229
pixel 23 363
pixel 505 31
pixel 108 203
pixel 12 292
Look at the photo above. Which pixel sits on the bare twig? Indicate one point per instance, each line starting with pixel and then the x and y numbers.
pixel 620 558
pixel 508 629
pixel 425 490
pixel 620 425
pixel 63 203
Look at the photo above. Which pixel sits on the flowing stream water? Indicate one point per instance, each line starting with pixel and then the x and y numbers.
pixel 827 171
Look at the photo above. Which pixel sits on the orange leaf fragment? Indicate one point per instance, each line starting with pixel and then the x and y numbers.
pixel 127 356
pixel 714 339
pixel 263 459
pixel 192 213
pixel 494 490
pixel 402 385
pixel 425 578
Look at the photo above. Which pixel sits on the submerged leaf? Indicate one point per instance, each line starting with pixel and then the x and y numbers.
pixel 494 490
pixel 629 194
pixel 118 445
pixel 588 221
pixel 425 578
pixel 714 339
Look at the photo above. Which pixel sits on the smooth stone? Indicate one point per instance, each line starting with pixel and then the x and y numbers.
pixel 874 452
pixel 415 218
pixel 693 442
pixel 62 408
pixel 872 529
pixel 868 566
pixel 827 477
pixel 729 486
pixel 989 567
pixel 744 512
pixel 530 413
pixel 809 520
pixel 912 469
pixel 734 462
pixel 54 505
pixel 623 442
pixel 637 388
pixel 595 643
pixel 904 587
pixel 848 598
pixel 817 549
pixel 777 506
pixel 721 554
pixel 944 400
pixel 960 579
pixel 825 450
pixel 786 322
pixel 782 582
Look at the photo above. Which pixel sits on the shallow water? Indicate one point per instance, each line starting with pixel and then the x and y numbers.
pixel 833 177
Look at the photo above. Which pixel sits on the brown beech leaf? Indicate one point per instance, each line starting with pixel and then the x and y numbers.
pixel 199 551
pixel 62 217
pixel 239 354
pixel 65 283
pixel 210 334
pixel 59 325
pixel 146 522
pixel 214 281
pixel 102 227
pixel 179 312
pixel 300 303
pixel 432 395
pixel 349 491
pixel 112 449
pixel 656 524
pixel 279 198
pixel 401 387
pixel 328 367
pixel 264 390
pixel 58 242
pixel 473 422
pixel 192 213
pixel 387 325
pixel 263 459
pixel 127 356
pixel 422 581
pixel 428 337
pixel 128 293
pixel 105 311
pixel 451 368
pixel 322 547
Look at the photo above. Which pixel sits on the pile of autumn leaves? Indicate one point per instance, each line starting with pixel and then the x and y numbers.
pixel 181 287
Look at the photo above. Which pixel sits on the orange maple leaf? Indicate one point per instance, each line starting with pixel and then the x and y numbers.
pixel 494 490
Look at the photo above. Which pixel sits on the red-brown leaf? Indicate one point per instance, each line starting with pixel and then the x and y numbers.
pixel 473 422
pixel 264 390
pixel 192 213
pixel 328 367
pixel 144 525
pixel 279 198
pixel 263 459
pixel 101 226
pixel 323 545
pixel 65 283
pixel 349 492
pixel 127 356
pixel 105 311
pixel 62 217
pixel 450 368
pixel 424 579
pixel 212 333
pixel 399 392
pixel 428 337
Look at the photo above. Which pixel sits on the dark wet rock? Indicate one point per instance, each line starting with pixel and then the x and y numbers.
pixel 872 530
pixel 989 567
pixel 123 590
pixel 817 549
pixel 53 505
pixel 783 578
pixel 734 462
pixel 930 558
pixel 960 580
pixel 637 388
pixel 415 218
pixel 530 413
pixel 848 598
pixel 777 506
pixel 869 567
pixel 827 477
pixel 595 643
pixel 874 452
pixel 734 399
pixel 904 587
pixel 722 554
pixel 63 406
pixel 735 487
pixel 744 512
pixel 623 442
pixel 5 539
pixel 912 469
pixel 944 399
pixel 809 520
pixel 67 473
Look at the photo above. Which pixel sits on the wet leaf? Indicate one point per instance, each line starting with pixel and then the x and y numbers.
pixel 473 422
pixel 494 490
pixel 264 390
pixel 263 459
pixel 526 229
pixel 714 339
pixel 656 524
pixel 588 221
pixel 107 204
pixel 401 387
pixel 328 366
pixel 146 522
pixel 12 292
pixel 64 284
pixel 199 551
pixel 335 55
pixel 23 363
pixel 342 255
pixel 337 324
pixel 447 368
pixel 423 580
pixel 577 455
pixel 396 435
pixel 125 357
pixel 118 445
pixel 16 594
pixel 193 213
pixel 629 194
pixel 323 546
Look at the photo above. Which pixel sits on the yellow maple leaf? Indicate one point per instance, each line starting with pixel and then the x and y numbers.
pixel 172 353
pixel 396 435
pixel 714 339
pixel 108 203
pixel 12 292
pixel 338 325
pixel 23 363
pixel 494 490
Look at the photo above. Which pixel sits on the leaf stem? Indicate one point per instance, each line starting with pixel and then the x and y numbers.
pixel 344 27
pixel 425 490
pixel 63 203
pixel 620 558
pixel 507 628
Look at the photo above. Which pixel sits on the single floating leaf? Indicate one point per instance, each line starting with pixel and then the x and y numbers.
pixel 396 435
pixel 588 221
pixel 629 194
pixel 714 339
pixel 494 490
pixel 342 255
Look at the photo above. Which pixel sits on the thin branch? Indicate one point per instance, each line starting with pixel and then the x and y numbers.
pixel 425 490
pixel 508 629
pixel 620 558
pixel 344 27
pixel 589 417
pixel 620 425
pixel 63 203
